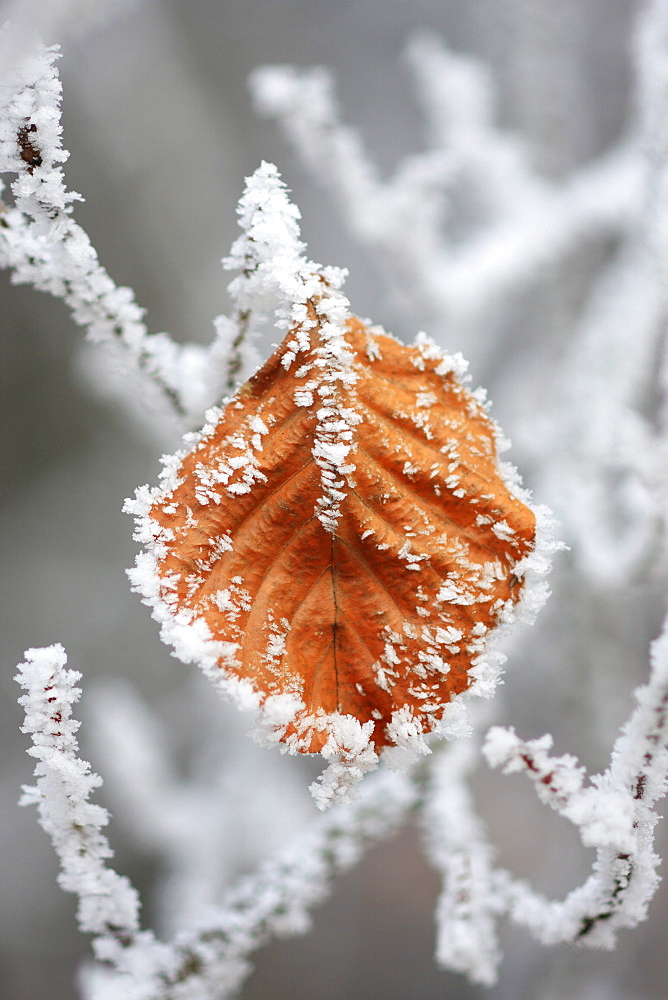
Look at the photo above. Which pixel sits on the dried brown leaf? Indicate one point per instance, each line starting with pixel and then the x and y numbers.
pixel 344 532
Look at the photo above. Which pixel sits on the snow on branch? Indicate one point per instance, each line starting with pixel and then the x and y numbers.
pixel 457 844
pixel 44 247
pixel 613 813
pixel 210 959
pixel 275 277
pixel 399 217
pixel 523 221
pixel 606 429
pixel 108 904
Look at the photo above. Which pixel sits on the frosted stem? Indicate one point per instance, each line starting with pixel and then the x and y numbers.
pixel 528 222
pixel 612 813
pixel 456 841
pixel 211 959
pixel 108 904
pixel 44 247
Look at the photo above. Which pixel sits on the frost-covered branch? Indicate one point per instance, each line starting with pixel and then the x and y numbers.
pixel 605 431
pixel 613 813
pixel 457 843
pixel 457 272
pixel 273 272
pixel 108 904
pixel 42 245
pixel 210 959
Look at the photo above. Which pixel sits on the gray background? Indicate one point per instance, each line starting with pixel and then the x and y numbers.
pixel 158 119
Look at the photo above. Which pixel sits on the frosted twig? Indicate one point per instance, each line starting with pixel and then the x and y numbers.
pixel 108 904
pixel 605 432
pixel 210 960
pixel 456 841
pixel 272 266
pixel 44 247
pixel 612 813
pixel 524 221
pixel 399 217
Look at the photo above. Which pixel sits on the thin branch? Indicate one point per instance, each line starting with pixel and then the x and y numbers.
pixel 211 959
pixel 527 222
pixel 108 904
pixel 44 247
pixel 457 843
pixel 612 813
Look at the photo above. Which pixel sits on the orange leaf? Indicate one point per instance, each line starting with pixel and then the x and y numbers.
pixel 340 536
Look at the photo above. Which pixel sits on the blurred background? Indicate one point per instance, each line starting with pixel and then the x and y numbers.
pixel 159 122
